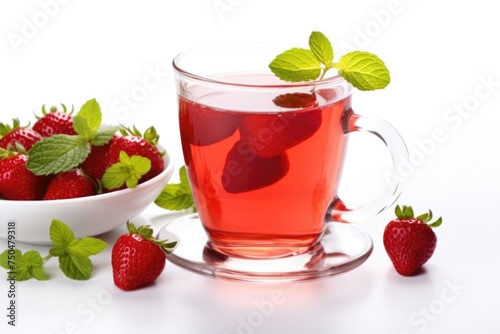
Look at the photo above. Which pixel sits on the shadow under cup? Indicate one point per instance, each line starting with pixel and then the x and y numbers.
pixel 264 157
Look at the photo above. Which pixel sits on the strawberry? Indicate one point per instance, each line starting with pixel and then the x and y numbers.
pixel 203 126
pixel 245 171
pixel 137 259
pixel 95 163
pixel 69 184
pixel 17 182
pixel 410 242
pixel 296 100
pixel 134 143
pixel 12 136
pixel 55 122
pixel 272 134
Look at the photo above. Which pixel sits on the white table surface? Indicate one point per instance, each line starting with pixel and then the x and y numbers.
pixel 445 79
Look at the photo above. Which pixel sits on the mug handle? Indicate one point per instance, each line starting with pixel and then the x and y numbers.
pixel 339 211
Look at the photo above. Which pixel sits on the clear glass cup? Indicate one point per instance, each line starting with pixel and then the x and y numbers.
pixel 265 157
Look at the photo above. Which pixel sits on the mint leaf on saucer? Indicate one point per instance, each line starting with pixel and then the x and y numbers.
pixel 177 196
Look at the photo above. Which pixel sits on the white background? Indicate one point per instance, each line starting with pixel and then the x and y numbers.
pixel 444 62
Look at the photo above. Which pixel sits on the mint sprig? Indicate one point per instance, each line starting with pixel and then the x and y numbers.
pixel 127 171
pixel 62 152
pixel 22 267
pixel 363 70
pixel 73 254
pixel 177 196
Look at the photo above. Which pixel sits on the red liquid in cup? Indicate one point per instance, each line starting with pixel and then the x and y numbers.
pixel 263 172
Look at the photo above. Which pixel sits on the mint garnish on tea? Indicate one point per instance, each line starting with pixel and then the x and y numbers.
pixel 363 70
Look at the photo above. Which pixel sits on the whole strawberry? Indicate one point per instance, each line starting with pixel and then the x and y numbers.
pixel 135 144
pixel 12 136
pixel 95 163
pixel 70 184
pixel 410 241
pixel 55 122
pixel 137 259
pixel 17 182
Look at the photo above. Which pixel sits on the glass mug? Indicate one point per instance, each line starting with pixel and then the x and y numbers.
pixel 264 157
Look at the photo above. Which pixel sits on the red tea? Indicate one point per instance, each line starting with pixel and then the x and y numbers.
pixel 263 168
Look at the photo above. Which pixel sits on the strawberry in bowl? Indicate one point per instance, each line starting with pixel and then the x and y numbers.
pixel 77 179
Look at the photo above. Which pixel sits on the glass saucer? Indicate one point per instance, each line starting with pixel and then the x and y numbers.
pixel 342 247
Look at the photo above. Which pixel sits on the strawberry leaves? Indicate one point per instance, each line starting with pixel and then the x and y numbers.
pixel 406 212
pixel 59 153
pixel 73 254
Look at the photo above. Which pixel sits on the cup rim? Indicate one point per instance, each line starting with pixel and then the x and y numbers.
pixel 329 80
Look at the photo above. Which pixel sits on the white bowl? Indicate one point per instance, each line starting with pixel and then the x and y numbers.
pixel 86 216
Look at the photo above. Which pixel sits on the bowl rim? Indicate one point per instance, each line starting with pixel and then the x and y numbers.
pixel 168 169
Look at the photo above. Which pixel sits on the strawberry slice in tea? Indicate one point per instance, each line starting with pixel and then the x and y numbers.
pixel 202 126
pixel 245 171
pixel 270 134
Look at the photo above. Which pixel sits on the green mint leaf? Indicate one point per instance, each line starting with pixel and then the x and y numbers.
pixel 75 262
pixel 23 267
pixel 321 47
pixel 4 261
pixel 364 70
pixel 173 197
pixel 87 246
pixel 103 136
pixel 82 128
pixel 73 253
pixel 176 196
pixel 127 171
pixel 75 267
pixel 60 234
pixel 295 65
pixel 88 120
pixel 57 153
pixel 183 177
pixel 33 260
